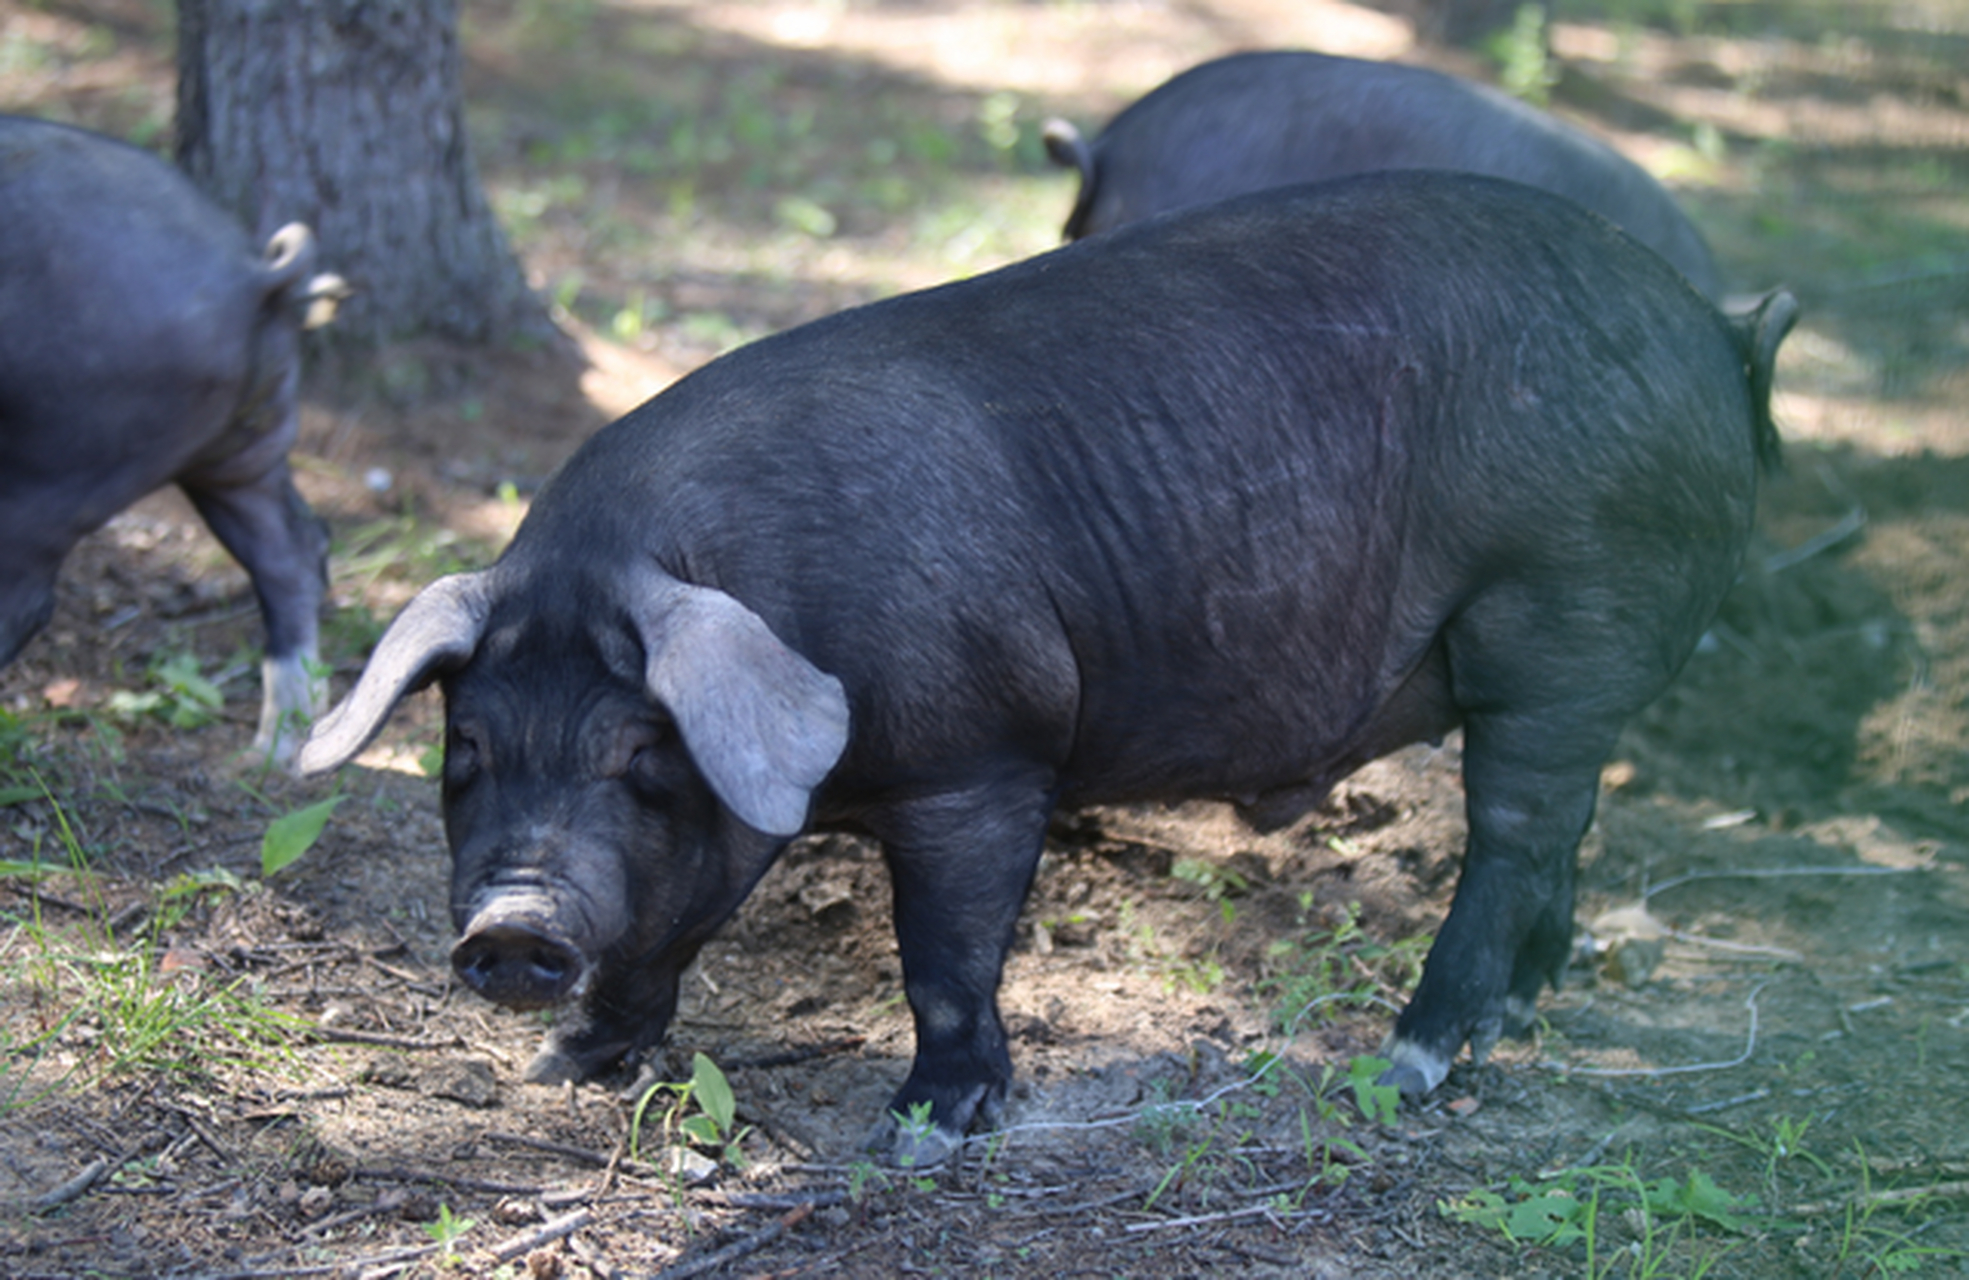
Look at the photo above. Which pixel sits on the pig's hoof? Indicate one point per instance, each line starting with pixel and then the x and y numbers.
pixel 911 1146
pixel 1520 1016
pixel 1413 1070
pixel 551 1066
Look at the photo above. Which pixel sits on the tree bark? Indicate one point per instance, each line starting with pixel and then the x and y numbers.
pixel 347 115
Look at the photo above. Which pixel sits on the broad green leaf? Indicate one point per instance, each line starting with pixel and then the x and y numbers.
pixel 713 1093
pixel 293 834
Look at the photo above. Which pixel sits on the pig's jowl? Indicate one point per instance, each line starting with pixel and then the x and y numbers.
pixel 1220 505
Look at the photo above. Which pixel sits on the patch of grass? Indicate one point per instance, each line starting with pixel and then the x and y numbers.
pixel 1201 974
pixel 176 692
pixel 1588 1210
pixel 403 548
pixel 1341 964
pixel 1869 1238
pixel 98 1005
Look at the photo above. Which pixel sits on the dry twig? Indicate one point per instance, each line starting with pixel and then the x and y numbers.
pixel 738 1249
pixel 548 1231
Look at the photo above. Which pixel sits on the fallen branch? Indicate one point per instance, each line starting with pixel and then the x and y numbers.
pixel 738 1249
pixel 1749 1047
pixel 758 1200
pixel 74 1189
pixel 548 1231
pixel 1772 873
pixel 609 1164
pixel 1888 1199
pixel 806 1053
pixel 452 1180
pixel 1201 1220
pixel 342 1035
pixel 1852 523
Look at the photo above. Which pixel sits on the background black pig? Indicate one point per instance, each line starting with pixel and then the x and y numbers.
pixel 1257 120
pixel 1225 504
pixel 142 341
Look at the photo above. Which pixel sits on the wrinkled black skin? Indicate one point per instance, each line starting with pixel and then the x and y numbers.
pixel 1224 504
pixel 1256 120
pixel 142 342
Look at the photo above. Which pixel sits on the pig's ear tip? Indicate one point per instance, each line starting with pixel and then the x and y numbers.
pixel 318 755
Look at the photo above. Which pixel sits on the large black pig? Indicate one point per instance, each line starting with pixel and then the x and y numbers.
pixel 1257 120
pixel 1224 504
pixel 143 341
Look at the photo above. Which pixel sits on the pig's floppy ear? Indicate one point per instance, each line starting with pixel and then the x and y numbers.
pixel 762 723
pixel 440 627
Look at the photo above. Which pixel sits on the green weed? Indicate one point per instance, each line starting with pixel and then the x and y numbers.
pixel 1218 882
pixel 1866 1237
pixel 1580 1207
pixel 1337 965
pixel 1201 974
pixel 178 694
pixel 447 1228
pixel 713 1125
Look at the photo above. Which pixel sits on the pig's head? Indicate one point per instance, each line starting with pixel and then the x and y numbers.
pixel 624 756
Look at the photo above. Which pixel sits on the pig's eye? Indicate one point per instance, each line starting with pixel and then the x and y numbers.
pixel 463 754
pixel 652 762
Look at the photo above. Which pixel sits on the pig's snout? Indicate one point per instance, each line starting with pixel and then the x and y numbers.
pixel 518 965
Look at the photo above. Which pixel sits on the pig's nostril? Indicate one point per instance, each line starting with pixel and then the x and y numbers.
pixel 517 967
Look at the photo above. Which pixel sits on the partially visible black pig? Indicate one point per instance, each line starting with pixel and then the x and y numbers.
pixel 1225 504
pixel 142 341
pixel 1257 120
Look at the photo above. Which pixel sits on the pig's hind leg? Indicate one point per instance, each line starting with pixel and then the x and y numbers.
pixel 268 528
pixel 1509 929
pixel 960 863
pixel 1544 679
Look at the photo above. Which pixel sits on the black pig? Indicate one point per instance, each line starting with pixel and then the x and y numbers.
pixel 1257 120
pixel 142 341
pixel 1224 504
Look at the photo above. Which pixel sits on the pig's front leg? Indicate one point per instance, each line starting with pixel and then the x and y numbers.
pixel 960 864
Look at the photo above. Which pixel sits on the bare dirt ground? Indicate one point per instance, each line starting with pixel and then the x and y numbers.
pixel 1768 1076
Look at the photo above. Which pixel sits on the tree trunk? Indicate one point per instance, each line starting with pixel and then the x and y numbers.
pixel 346 115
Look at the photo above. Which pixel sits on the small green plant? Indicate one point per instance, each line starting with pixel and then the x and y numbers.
pixel 1212 1140
pixel 915 1128
pixel 1577 1206
pixel 1338 965
pixel 712 1126
pixel 178 695
pixel 1864 1236
pixel 446 1230
pixel 1218 882
pixel 1378 1102
pixel 1203 974
pixel 185 891
pixel 862 1175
